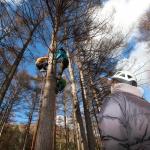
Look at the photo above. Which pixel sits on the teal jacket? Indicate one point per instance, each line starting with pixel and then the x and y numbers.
pixel 60 54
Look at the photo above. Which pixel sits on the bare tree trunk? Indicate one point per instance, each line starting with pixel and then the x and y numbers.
pixel 77 108
pixel 60 137
pixel 55 137
pixel 39 111
pixel 5 119
pixel 10 75
pixel 95 95
pixel 65 121
pixel 46 128
pixel 7 112
pixel 68 138
pixel 80 131
pixel 76 133
pixel 95 112
pixel 90 135
pixel 29 122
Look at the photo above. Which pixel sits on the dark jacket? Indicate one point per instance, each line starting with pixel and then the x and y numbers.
pixel 125 122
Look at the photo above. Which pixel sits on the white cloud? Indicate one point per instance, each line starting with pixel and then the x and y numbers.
pixel 126 12
pixel 122 15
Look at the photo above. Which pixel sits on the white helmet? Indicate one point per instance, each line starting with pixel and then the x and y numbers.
pixel 125 77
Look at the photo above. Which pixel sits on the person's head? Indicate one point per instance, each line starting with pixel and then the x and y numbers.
pixel 124 77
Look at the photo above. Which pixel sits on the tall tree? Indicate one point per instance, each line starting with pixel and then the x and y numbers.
pixel 29 27
pixel 76 106
pixel 57 11
pixel 90 134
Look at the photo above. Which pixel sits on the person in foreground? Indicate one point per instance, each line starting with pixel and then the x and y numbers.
pixel 124 117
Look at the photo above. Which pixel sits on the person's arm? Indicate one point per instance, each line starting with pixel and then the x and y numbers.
pixel 112 125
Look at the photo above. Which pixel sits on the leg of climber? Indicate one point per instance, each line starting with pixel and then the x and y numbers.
pixel 61 84
pixel 65 64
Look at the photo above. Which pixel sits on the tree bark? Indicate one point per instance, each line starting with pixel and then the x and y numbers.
pixel 95 112
pixel 39 110
pixel 27 131
pixel 65 121
pixel 77 138
pixel 7 112
pixel 46 128
pixel 90 134
pixel 76 108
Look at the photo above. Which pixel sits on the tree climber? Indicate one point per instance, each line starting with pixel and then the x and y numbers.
pixel 61 64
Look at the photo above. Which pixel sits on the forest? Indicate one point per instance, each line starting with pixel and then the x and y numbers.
pixel 32 115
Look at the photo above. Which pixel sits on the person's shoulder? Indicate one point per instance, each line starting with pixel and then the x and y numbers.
pixel 115 96
pixel 131 99
pixel 137 100
pixel 112 105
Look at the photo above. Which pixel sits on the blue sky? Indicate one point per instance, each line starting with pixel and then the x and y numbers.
pixel 147 92
pixel 129 48
pixel 126 54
